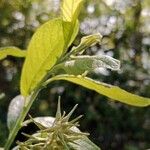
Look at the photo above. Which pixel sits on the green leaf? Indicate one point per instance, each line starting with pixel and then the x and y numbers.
pixel 70 10
pixel 70 32
pixel 86 42
pixel 46 46
pixel 11 51
pixel 83 64
pixel 110 91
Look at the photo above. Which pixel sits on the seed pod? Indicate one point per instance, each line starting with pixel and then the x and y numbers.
pixel 14 110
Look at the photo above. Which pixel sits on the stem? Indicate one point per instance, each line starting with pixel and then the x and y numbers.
pixel 21 118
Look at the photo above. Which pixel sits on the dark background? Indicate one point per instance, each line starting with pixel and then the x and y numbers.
pixel 125 26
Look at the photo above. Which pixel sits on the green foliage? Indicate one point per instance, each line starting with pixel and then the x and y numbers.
pixel 47 54
pixel 45 48
pixel 110 91
pixel 71 9
pixel 11 51
pixel 70 32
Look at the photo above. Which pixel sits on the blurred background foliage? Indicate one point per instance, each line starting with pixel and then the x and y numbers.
pixel 125 26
